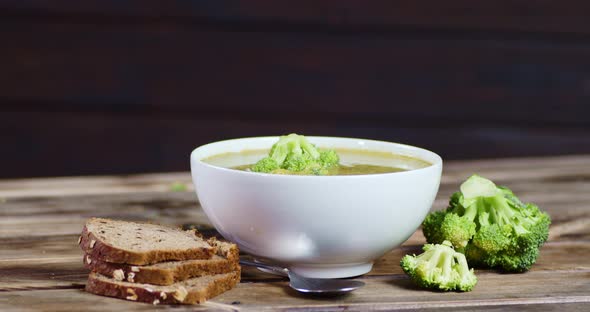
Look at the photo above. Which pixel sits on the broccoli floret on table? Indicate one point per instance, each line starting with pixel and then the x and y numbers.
pixel 440 267
pixel 491 226
pixel 440 226
pixel 293 154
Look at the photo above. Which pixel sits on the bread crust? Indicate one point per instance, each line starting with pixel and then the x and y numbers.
pixel 174 294
pixel 98 249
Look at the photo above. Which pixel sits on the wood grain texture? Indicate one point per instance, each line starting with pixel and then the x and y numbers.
pixel 95 185
pixel 528 174
pixel 41 265
pixel 49 268
pixel 391 292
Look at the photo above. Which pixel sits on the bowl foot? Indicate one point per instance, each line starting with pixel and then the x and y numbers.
pixel 322 270
pixel 331 270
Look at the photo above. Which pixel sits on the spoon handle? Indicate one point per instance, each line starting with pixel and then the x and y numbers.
pixel 276 269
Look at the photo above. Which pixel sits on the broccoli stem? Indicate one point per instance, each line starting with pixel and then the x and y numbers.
pixel 471 211
pixel 504 214
pixel 433 257
pixel 477 186
pixel 309 148
pixel 494 210
pixel 279 153
pixel 460 258
pixel 446 266
pixel 439 263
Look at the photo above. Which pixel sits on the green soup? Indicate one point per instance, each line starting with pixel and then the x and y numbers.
pixel 352 161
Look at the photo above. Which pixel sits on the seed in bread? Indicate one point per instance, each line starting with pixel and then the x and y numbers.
pixel 132 294
pixel 118 275
pixel 130 277
pixel 180 294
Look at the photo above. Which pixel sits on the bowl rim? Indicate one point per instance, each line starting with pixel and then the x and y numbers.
pixel 438 159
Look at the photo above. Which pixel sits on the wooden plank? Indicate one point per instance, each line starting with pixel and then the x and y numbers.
pixel 380 293
pixel 41 269
pixel 397 291
pixel 57 263
pixel 17 224
pixel 43 273
pixel 538 306
pixel 95 185
pixel 562 188
pixel 502 15
pixel 562 173
pixel 77 299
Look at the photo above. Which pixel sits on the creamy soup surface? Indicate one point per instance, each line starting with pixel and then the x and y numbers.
pixel 352 161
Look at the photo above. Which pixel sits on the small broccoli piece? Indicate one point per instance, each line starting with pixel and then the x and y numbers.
pixel 298 162
pixel 440 226
pixel 265 165
pixel 178 187
pixel 491 226
pixel 293 154
pixel 440 267
pixel 431 227
pixel 329 158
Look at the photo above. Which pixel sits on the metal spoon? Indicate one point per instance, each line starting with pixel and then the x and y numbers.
pixel 310 285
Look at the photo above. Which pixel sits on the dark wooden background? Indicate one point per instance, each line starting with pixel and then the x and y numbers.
pixel 100 87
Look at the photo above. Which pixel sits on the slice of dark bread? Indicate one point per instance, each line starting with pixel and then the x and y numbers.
pixel 191 291
pixel 140 243
pixel 169 272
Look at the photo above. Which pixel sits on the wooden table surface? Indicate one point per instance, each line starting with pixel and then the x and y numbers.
pixel 41 267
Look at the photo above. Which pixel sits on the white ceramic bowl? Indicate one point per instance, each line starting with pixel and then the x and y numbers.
pixel 318 226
